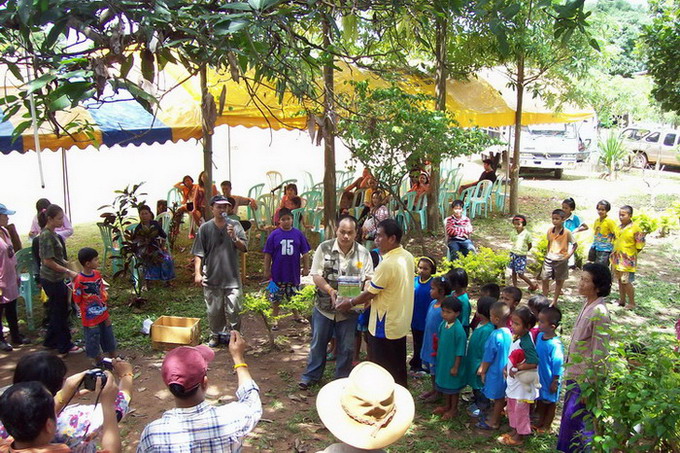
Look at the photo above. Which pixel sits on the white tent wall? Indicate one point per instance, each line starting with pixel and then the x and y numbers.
pixel 95 174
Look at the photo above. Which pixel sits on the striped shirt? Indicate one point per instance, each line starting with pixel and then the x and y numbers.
pixel 458 228
pixel 205 428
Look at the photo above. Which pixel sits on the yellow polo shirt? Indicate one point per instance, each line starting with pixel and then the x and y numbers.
pixel 392 308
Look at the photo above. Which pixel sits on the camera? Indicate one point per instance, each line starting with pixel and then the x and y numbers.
pixel 90 379
pixel 105 364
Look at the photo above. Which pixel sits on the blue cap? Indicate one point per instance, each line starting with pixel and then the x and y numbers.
pixel 4 210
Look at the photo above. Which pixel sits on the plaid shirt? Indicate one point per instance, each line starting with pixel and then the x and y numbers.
pixel 205 428
pixel 458 228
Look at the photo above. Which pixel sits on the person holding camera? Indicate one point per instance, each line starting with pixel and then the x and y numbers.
pixel 28 412
pixel 194 424
pixel 78 426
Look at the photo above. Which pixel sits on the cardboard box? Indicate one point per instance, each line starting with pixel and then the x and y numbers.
pixel 168 332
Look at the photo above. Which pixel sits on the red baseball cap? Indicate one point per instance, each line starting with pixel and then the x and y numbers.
pixel 186 365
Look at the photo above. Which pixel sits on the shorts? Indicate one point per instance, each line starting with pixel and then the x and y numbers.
pixel 625 277
pixel 99 338
pixel 286 291
pixel 445 391
pixel 602 257
pixel 518 263
pixel 555 270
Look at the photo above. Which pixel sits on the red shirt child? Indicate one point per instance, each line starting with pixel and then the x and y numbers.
pixel 89 293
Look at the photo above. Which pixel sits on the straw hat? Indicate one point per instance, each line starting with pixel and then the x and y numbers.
pixel 367 409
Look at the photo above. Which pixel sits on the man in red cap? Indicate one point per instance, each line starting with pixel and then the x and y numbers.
pixel 195 425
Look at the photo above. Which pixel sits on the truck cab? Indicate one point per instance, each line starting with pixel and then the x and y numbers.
pixel 552 147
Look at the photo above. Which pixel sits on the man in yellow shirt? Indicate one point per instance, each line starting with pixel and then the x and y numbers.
pixel 390 297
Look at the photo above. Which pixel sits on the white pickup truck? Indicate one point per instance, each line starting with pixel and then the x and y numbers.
pixel 552 147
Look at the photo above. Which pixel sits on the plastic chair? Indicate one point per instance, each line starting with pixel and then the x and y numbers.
pixel 274 179
pixel 481 198
pixel 308 181
pixel 465 195
pixel 312 199
pixel 316 217
pixel 298 215
pixel 165 219
pixel 110 250
pixel 357 205
pixel 174 197
pixel 254 193
pixel 28 287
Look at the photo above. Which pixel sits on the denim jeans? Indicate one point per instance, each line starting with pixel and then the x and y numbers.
pixel 322 332
pixel 463 247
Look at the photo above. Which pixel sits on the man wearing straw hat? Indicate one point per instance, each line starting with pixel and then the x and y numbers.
pixel 366 411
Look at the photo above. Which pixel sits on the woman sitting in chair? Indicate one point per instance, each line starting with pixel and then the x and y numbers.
pixel 421 186
pixel 149 238
pixel 377 214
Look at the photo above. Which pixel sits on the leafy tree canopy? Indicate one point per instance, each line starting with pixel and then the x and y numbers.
pixel 662 38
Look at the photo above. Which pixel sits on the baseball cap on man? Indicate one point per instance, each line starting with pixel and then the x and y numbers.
pixel 219 199
pixel 4 210
pixel 186 365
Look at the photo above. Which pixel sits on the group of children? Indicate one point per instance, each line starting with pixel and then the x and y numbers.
pixel 615 245
pixel 509 354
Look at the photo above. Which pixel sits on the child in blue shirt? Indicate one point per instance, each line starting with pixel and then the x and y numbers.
pixel 458 279
pixel 439 289
pixel 421 303
pixel 496 351
pixel 550 366
pixel 450 373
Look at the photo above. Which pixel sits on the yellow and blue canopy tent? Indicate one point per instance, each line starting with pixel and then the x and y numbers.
pixel 484 101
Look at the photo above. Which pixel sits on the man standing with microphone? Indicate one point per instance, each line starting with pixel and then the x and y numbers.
pixel 216 268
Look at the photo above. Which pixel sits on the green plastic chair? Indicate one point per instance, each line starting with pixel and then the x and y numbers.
pixel 481 198
pixel 357 203
pixel 445 200
pixel 316 218
pixel 174 197
pixel 254 193
pixel 312 199
pixel 28 287
pixel 318 187
pixel 263 217
pixel 308 181
pixel 465 195
pixel 298 214
pixel 110 251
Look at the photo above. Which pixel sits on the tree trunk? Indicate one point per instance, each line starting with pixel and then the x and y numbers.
pixel 207 146
pixel 440 90
pixel 514 169
pixel 329 194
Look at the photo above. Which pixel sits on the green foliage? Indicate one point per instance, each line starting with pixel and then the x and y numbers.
pixel 634 397
pixel 613 154
pixel 662 40
pixel 302 302
pixel 121 221
pixel 647 222
pixel 485 266
pixel 390 130
pixel 668 221
pixel 540 248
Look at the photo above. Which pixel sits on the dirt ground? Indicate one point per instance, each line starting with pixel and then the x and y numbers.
pixel 289 422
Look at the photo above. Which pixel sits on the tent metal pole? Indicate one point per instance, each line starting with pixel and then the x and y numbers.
pixel 36 134
pixel 229 150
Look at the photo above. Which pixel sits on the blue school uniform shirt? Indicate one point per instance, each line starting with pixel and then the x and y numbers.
pixel 421 303
pixel 572 222
pixel 496 351
pixel 465 312
pixel 451 344
pixel 432 321
pixel 550 363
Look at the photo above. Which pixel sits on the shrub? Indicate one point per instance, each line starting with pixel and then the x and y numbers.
pixel 485 266
pixel 540 248
pixel 634 398
pixel 646 222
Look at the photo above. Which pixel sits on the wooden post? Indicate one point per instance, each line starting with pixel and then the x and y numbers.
pixel 207 144
pixel 329 194
pixel 514 169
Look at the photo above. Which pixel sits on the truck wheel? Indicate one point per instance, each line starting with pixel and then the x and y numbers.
pixel 558 173
pixel 639 160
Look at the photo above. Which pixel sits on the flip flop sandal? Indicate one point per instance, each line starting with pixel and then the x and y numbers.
pixel 485 426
